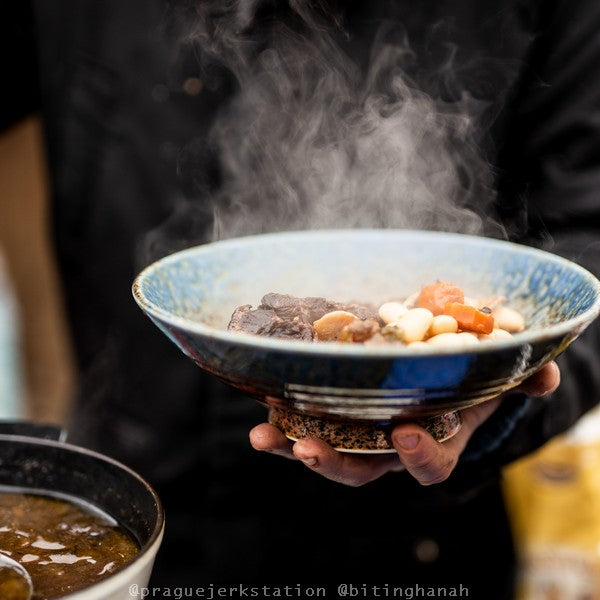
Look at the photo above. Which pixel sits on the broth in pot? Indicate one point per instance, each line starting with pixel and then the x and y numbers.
pixel 64 543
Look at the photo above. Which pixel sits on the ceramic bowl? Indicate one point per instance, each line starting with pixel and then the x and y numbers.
pixel 341 392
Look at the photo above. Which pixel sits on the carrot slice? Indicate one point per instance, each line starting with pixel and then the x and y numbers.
pixel 470 318
pixel 435 296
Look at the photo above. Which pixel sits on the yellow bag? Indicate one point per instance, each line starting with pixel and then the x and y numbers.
pixel 553 501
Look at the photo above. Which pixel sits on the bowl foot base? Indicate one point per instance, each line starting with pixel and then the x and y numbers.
pixel 358 436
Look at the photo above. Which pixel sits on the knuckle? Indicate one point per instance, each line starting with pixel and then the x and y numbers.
pixel 433 472
pixel 425 463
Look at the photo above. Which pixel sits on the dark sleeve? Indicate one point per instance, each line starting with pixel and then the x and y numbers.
pixel 553 157
pixel 20 89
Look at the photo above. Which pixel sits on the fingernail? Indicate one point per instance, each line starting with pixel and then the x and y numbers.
pixel 309 462
pixel 407 442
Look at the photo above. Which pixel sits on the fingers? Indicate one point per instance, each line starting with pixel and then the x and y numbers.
pixel 350 469
pixel 542 382
pixel 268 438
pixel 429 461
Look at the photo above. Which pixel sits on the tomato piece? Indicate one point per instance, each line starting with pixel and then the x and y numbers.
pixel 470 318
pixel 435 296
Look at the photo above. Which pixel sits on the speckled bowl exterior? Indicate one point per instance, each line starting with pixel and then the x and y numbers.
pixel 191 295
pixel 354 435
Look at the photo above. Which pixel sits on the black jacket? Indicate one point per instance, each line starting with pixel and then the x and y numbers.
pixel 128 153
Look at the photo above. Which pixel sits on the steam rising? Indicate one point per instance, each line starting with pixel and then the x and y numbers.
pixel 313 140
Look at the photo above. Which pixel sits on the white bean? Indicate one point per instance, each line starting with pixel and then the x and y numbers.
pixel 497 334
pixel 453 340
pixel 391 311
pixel 508 319
pixel 443 324
pixel 468 338
pixel 412 326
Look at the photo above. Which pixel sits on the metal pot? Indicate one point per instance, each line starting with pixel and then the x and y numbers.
pixel 35 457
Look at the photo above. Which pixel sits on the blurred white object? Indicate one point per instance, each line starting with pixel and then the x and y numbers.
pixel 11 388
pixel 586 430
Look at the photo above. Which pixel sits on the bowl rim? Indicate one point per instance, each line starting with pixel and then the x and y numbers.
pixel 257 342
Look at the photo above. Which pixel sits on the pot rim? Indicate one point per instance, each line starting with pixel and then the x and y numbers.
pixel 150 547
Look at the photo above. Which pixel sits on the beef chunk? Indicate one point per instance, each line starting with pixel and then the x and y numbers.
pixel 285 316
pixel 361 311
pixel 310 309
pixel 263 321
pixel 289 307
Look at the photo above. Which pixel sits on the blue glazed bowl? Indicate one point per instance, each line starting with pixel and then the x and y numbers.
pixel 191 295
